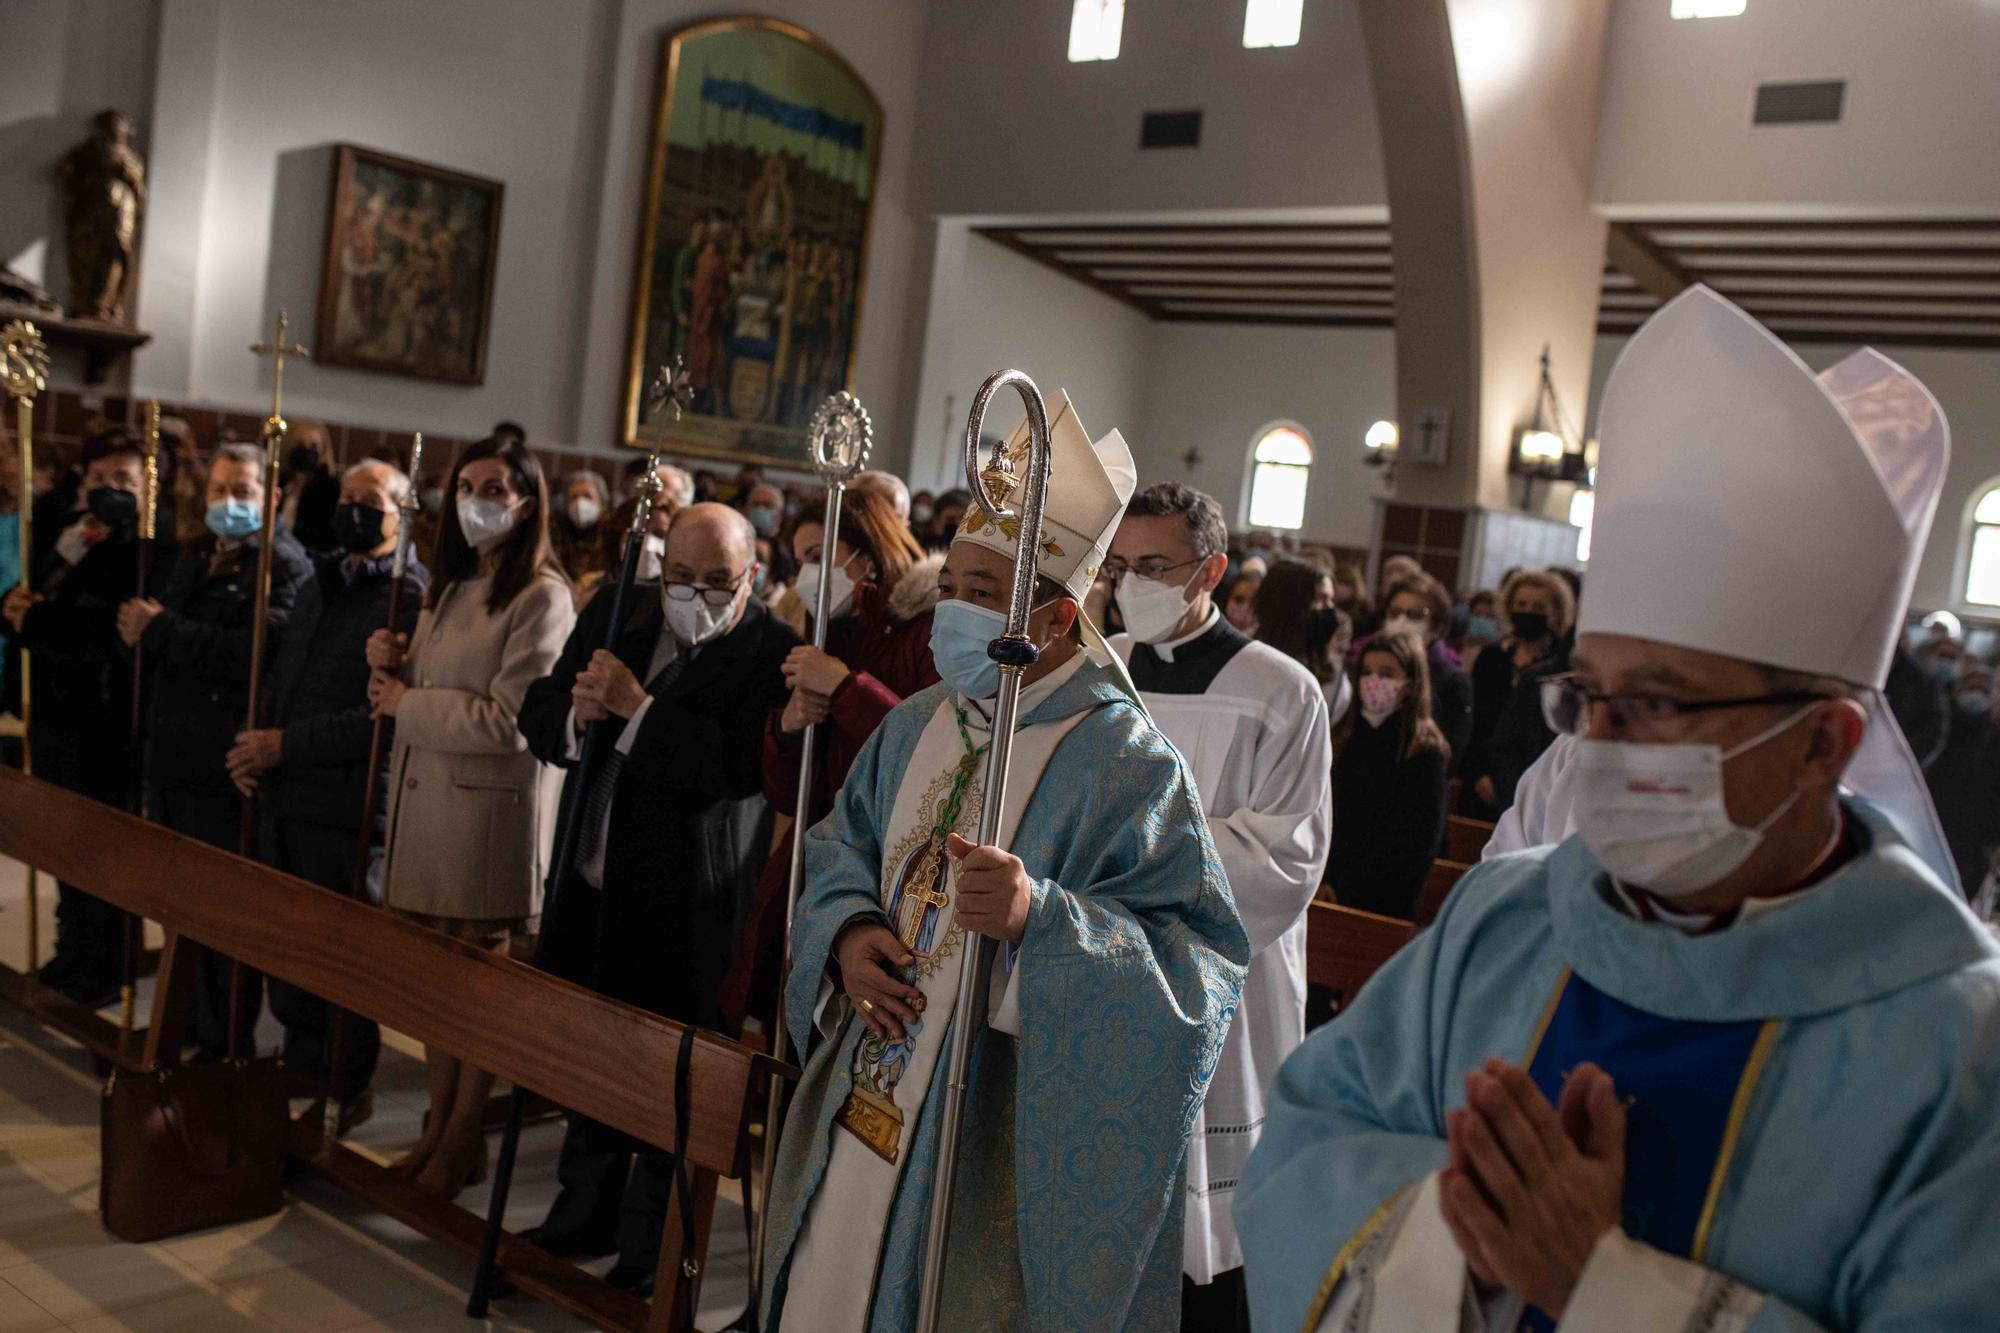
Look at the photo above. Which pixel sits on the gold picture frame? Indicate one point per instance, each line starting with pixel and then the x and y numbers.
pixel 759 207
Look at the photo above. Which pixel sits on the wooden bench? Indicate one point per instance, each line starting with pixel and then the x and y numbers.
pixel 1344 946
pixel 1438 884
pixel 606 1060
pixel 1465 839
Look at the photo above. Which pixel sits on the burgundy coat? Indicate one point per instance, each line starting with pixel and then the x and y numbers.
pixel 885 640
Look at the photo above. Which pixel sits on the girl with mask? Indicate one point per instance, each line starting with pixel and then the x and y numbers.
pixel 1389 761
pixel 883 589
pixel 1418 605
pixel 472 813
pixel 1508 730
pixel 1238 597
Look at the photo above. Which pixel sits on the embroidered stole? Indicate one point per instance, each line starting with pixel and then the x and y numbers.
pixel 838 1251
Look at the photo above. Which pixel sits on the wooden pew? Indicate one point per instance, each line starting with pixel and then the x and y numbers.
pixel 1465 839
pixel 607 1060
pixel 1438 884
pixel 1344 946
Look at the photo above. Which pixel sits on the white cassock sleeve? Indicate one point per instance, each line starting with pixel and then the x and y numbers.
pixel 1543 812
pixel 1274 846
pixel 1627 1285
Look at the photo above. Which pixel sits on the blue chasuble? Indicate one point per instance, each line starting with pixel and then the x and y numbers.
pixel 1817 1087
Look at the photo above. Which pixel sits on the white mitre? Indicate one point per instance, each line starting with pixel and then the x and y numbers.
pixel 1750 508
pixel 1088 487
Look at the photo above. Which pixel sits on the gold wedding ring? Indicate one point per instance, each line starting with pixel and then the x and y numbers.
pixel 867 1005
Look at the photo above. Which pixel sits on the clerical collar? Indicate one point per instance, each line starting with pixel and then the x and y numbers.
pixel 979 712
pixel 1165 651
pixel 1843 846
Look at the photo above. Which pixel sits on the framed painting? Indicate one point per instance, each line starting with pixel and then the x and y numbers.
pixel 407 283
pixel 759 194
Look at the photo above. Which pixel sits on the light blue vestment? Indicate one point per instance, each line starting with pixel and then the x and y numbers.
pixel 1864 1189
pixel 1068 1210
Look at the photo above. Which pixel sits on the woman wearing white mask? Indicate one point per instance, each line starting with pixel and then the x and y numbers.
pixel 1419 605
pixel 575 527
pixel 877 654
pixel 1388 781
pixel 471 812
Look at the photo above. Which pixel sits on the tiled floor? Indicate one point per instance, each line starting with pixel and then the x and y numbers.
pixel 324 1265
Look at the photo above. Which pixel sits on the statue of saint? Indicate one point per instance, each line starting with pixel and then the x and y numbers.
pixel 104 189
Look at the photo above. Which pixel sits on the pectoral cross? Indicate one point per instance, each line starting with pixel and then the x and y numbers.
pixel 923 891
pixel 278 349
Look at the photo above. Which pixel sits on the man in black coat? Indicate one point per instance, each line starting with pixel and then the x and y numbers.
pixel 197 642
pixel 308 768
pixel 81 678
pixel 672 835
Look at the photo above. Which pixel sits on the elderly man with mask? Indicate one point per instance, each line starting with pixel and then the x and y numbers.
pixel 1726 1059
pixel 1252 724
pixel 669 849
pixel 1121 955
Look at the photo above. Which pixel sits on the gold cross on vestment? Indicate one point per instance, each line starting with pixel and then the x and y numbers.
pixel 278 349
pixel 919 895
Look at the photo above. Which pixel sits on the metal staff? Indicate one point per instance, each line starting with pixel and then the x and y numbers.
pixel 149 496
pixel 670 390
pixel 24 373
pixel 840 438
pixel 364 841
pixel 1014 652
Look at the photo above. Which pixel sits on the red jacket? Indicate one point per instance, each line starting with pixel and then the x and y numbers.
pixel 885 640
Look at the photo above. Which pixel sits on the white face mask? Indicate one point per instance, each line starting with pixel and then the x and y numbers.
pixel 1150 608
pixel 485 521
pixel 694 621
pixel 1653 815
pixel 585 511
pixel 841 593
pixel 652 551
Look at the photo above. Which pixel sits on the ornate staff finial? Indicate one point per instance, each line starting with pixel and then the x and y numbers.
pixel 841 436
pixel 24 360
pixel 278 349
pixel 672 388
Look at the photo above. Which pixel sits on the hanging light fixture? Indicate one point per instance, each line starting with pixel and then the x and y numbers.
pixel 1543 449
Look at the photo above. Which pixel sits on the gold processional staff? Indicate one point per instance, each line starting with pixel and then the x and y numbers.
pixel 24 373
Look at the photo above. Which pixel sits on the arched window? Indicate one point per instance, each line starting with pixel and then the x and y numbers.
pixel 1280 462
pixel 1982 562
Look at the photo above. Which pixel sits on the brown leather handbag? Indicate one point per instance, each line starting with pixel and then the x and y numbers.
pixel 189 1147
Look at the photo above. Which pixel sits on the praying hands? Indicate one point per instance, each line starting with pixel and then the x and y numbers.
pixel 1531 1189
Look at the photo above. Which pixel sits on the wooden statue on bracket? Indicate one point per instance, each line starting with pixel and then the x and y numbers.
pixel 104 194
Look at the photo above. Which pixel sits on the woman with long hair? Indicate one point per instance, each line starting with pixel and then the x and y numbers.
pixel 1509 732
pixel 472 812
pixel 877 654
pixel 1295 614
pixel 1389 761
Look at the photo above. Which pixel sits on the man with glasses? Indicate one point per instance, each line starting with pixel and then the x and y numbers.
pixel 1252 725
pixel 1727 1059
pixel 674 832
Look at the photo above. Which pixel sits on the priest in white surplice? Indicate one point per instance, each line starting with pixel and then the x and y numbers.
pixel 1252 724
pixel 1122 961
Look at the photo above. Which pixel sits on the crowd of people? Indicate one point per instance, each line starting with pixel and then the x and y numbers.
pixel 1321 727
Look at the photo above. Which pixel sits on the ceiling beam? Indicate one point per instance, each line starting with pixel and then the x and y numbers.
pixel 1001 236
pixel 1792 250
pixel 1645 263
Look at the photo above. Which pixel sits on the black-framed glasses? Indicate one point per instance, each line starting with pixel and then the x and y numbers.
pixel 1154 567
pixel 715 594
pixel 1567 706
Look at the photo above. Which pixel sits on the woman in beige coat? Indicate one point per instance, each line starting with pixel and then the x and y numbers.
pixel 472 813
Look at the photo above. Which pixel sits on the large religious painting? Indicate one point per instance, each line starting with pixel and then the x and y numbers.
pixel 407 285
pixel 763 174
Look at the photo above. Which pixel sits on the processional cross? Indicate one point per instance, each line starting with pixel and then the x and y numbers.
pixel 278 349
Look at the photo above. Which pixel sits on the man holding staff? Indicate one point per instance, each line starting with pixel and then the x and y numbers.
pixel 1121 959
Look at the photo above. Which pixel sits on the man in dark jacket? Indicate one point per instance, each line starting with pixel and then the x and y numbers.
pixel 197 638
pixel 308 769
pixel 81 679
pixel 672 837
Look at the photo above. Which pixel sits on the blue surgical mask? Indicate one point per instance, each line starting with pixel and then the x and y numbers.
pixel 763 519
pixel 1943 670
pixel 1482 629
pixel 960 633
pixel 233 519
pixel 1976 703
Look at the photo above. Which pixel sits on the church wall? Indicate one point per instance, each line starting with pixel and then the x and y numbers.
pixel 1917 133
pixel 991 310
pixel 1213 387
pixel 1011 126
